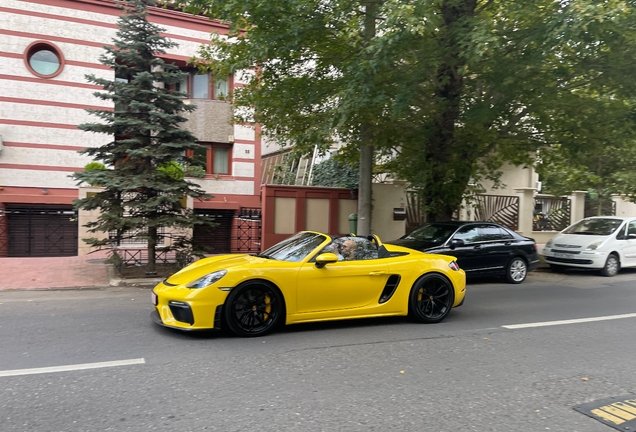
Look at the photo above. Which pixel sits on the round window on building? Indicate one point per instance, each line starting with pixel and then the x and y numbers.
pixel 44 59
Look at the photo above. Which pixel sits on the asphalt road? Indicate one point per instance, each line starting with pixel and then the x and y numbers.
pixel 475 371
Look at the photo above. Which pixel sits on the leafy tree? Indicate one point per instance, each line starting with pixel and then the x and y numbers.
pixel 450 88
pixel 142 190
pixel 594 155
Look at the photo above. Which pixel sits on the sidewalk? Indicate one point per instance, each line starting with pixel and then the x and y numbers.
pixel 50 273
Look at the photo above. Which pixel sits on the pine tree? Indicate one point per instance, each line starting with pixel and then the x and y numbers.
pixel 141 192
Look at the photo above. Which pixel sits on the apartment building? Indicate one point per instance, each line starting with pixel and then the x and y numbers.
pixel 47 47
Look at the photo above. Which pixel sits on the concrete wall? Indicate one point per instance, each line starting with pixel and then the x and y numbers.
pixel 386 198
pixel 624 207
pixel 513 177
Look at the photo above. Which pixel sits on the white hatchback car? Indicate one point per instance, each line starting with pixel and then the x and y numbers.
pixel 606 243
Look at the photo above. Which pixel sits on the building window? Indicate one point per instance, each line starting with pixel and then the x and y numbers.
pixel 200 86
pixel 220 88
pixel 44 59
pixel 216 158
pixel 197 85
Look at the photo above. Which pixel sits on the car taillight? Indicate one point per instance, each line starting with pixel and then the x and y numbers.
pixel 453 265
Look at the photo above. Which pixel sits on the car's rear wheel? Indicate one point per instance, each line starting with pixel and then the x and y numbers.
pixel 254 309
pixel 612 266
pixel 516 271
pixel 431 298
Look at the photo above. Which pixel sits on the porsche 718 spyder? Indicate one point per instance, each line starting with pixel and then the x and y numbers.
pixel 309 278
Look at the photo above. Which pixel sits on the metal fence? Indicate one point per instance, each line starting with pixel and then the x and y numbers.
pixel 502 209
pixel 551 213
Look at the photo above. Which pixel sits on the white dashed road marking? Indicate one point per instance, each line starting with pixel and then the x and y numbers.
pixel 571 321
pixel 84 366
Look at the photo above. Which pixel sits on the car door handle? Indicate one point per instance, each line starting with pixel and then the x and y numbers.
pixel 477 247
pixel 377 273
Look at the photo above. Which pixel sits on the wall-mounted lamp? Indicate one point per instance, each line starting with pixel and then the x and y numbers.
pixel 45 191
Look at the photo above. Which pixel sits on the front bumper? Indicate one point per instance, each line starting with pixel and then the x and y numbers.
pixel 188 309
pixel 154 316
pixel 584 259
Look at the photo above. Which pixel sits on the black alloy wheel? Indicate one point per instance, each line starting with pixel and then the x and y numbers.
pixel 516 271
pixel 254 309
pixel 431 298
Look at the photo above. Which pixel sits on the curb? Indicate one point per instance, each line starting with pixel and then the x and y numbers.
pixel 116 281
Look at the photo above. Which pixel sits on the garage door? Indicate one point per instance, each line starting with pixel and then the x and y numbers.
pixel 40 231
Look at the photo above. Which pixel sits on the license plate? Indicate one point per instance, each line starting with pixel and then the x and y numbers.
pixel 153 297
pixel 562 255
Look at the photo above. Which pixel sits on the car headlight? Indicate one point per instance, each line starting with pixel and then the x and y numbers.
pixel 594 246
pixel 549 244
pixel 207 280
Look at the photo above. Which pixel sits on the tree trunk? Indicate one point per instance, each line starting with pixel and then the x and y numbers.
pixel 152 250
pixel 365 184
pixel 444 191
pixel 366 138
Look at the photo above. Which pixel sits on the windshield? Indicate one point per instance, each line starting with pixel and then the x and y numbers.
pixel 433 233
pixel 599 227
pixel 295 248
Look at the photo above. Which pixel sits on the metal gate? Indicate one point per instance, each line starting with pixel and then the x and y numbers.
pixel 502 209
pixel 217 239
pixel 41 231
pixel 551 213
pixel 247 231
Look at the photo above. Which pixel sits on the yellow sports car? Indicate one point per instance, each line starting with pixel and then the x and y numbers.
pixel 309 277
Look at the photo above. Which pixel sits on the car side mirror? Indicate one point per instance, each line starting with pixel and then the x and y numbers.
pixel 631 236
pixel 456 242
pixel 326 258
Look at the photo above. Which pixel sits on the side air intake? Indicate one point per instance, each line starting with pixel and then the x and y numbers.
pixel 390 287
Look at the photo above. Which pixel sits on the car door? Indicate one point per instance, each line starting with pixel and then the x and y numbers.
pixel 628 245
pixel 496 249
pixel 468 250
pixel 340 285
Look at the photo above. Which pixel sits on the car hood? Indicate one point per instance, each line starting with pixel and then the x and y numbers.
pixel 577 239
pixel 220 262
pixel 415 244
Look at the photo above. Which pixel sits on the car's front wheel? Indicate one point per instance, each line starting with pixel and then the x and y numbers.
pixel 431 298
pixel 516 271
pixel 612 266
pixel 254 309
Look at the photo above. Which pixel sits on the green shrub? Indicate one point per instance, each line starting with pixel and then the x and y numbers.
pixel 94 166
pixel 172 169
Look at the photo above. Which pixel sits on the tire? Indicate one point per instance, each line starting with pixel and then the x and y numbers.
pixel 254 309
pixel 555 268
pixel 612 266
pixel 516 270
pixel 431 298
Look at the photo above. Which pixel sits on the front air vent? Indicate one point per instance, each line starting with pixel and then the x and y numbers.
pixel 390 287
